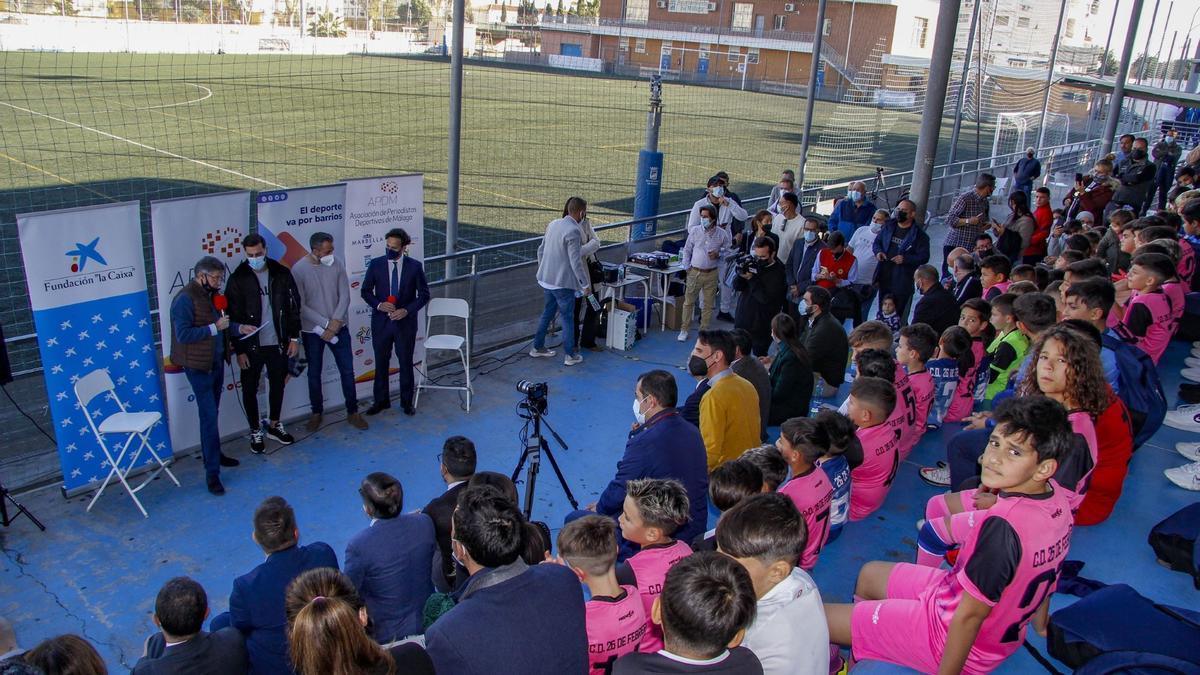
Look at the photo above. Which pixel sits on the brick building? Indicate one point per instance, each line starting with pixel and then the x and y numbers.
pixel 770 40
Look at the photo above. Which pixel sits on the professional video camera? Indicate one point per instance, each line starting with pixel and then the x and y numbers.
pixel 533 410
pixel 748 264
pixel 536 394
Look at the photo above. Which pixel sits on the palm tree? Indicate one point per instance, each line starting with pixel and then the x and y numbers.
pixel 326 24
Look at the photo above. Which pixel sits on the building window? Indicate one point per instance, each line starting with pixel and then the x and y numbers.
pixel 1070 28
pixel 828 26
pixel 743 15
pixel 704 50
pixel 688 6
pixel 1002 20
pixel 779 19
pixel 735 54
pixel 640 46
pixel 752 56
pixel 920 32
pixel 624 46
pixel 637 11
pixel 1022 22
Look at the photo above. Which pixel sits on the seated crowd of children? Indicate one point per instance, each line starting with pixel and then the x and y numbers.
pixel 1038 373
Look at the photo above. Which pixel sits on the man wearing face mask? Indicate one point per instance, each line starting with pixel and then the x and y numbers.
pixel 394 287
pixel 729 217
pixel 701 257
pixel 661 444
pixel 937 307
pixel 853 212
pixel 901 247
pixel 802 260
pixel 1166 155
pixel 861 244
pixel 786 183
pixel 966 283
pixel 1094 193
pixel 1028 168
pixel 1184 182
pixel 729 418
pixel 262 293
pixel 824 338
pixel 199 346
pixel 763 289
pixel 1136 175
pixel 324 291
pixel 788 224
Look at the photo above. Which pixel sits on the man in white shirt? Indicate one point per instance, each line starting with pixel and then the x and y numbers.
pixel 860 245
pixel 728 210
pixel 701 258
pixel 788 223
pixel 767 534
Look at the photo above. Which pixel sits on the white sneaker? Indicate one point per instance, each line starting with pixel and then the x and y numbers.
pixel 1186 409
pixel 541 353
pixel 1192 361
pixel 1189 450
pixel 683 336
pixel 1186 476
pixel 1196 351
pixel 936 476
pixel 572 360
pixel 1183 420
pixel 1192 374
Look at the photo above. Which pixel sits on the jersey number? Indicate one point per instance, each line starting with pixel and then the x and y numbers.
pixel 910 404
pixel 823 523
pixel 895 468
pixel 1031 599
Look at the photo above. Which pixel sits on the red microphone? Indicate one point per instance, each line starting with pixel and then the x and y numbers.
pixel 391 299
pixel 221 303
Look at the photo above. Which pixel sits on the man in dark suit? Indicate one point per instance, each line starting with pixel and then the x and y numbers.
pixel 510 617
pixel 256 605
pixel 182 648
pixel 389 562
pixel 937 306
pixel 753 371
pixel 395 289
pixel 966 283
pixel 457 465
pixel 900 247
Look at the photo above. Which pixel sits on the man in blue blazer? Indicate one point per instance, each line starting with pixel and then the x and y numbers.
pixel 900 247
pixel 396 290
pixel 510 617
pixel 256 605
pixel 663 445
pixel 390 562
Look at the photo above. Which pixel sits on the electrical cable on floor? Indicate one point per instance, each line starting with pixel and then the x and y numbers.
pixel 27 416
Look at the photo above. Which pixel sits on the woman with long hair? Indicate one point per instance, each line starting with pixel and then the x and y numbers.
pixel 1021 223
pixel 791 373
pixel 327 632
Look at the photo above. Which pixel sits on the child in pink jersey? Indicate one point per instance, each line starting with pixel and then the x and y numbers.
pixel 654 509
pixel 972 617
pixel 873 335
pixel 993 276
pixel 616 618
pixel 975 317
pixel 872 401
pixel 917 343
pixel 802 441
pixel 953 378
pixel 1149 318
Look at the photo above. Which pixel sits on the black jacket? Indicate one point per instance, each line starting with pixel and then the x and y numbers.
pixel 937 308
pixel 762 298
pixel 221 652
pixel 828 348
pixel 245 303
pixel 966 289
pixel 440 509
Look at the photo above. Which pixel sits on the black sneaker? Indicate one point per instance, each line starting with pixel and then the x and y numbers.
pixel 280 434
pixel 226 460
pixel 256 441
pixel 215 487
pixel 724 316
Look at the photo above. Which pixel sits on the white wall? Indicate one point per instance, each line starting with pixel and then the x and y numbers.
pixel 73 34
pixel 906 17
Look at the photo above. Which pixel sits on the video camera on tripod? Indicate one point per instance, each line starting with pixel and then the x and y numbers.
pixel 533 409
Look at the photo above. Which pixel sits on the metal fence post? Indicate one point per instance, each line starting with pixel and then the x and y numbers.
pixel 455 133
pixel 935 103
pixel 811 100
pixel 1118 95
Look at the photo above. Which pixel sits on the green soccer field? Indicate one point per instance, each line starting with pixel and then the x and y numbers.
pixel 87 128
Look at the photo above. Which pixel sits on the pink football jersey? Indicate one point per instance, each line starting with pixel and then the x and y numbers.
pixel 812 493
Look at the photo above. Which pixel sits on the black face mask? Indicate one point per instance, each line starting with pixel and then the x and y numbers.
pixel 901 216
pixel 697 366
pixel 1138 154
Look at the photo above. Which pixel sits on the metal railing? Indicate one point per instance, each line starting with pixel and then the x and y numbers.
pixel 714 31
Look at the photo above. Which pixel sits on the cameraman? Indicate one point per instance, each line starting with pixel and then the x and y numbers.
pixel 763 286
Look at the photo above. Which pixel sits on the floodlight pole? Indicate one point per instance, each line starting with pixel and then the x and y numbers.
pixel 811 100
pixel 1104 66
pixel 1118 95
pixel 1062 14
pixel 455 133
pixel 935 103
pixel 962 85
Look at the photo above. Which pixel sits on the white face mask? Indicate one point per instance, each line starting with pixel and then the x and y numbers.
pixel 802 307
pixel 876 227
pixel 257 263
pixel 327 260
pixel 706 223
pixel 810 236
pixel 637 411
pixel 854 195
pixel 718 192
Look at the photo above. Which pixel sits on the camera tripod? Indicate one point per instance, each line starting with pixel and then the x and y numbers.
pixel 535 445
pixel 6 496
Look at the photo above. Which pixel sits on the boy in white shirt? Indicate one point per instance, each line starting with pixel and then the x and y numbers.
pixel 766 534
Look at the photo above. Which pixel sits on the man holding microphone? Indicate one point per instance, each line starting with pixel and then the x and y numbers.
pixel 198 345
pixel 396 288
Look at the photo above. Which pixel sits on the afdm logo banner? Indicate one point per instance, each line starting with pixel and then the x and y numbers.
pixel 87 286
pixel 286 219
pixel 185 230
pixel 374 206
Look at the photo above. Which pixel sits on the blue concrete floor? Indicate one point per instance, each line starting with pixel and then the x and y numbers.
pixel 97 573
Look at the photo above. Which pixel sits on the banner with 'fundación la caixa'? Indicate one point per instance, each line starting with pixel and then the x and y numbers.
pixel 87 288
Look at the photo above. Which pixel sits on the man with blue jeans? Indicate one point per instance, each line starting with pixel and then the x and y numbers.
pixel 324 291
pixel 198 346
pixel 563 277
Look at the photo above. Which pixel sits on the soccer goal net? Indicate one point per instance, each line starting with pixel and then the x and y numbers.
pixel 1016 131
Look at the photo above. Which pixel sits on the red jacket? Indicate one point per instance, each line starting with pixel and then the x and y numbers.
pixel 1044 217
pixel 1114 433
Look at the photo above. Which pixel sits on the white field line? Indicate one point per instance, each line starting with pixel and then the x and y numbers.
pixel 143 145
pixel 207 95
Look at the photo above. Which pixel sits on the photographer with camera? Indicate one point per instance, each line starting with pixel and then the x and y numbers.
pixel 763 286
pixel 563 276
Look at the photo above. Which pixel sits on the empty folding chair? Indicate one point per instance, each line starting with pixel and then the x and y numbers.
pixel 456 308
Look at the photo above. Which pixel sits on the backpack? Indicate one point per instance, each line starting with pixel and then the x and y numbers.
pixel 1124 632
pixel 1176 541
pixel 1141 390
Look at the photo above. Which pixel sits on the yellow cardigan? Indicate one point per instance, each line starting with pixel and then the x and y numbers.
pixel 729 420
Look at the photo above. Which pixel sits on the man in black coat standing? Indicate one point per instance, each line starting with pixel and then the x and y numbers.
pixel 900 247
pixel 937 306
pixel 763 287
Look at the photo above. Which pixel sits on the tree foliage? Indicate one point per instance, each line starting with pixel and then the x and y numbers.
pixel 327 24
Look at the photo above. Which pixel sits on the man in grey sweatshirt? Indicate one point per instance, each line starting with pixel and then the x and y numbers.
pixel 324 312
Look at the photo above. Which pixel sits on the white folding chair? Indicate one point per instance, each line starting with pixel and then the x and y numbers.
pixel 456 308
pixel 135 425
